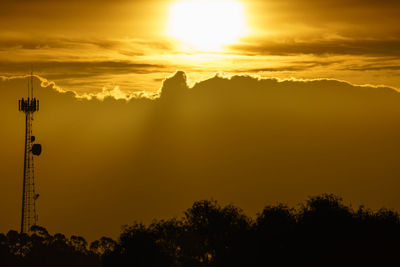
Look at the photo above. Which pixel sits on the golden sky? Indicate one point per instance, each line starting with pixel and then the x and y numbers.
pixel 267 109
pixel 89 45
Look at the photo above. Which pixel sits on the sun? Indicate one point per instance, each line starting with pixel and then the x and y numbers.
pixel 207 25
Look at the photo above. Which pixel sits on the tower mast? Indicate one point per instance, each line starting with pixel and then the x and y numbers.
pixel 29 196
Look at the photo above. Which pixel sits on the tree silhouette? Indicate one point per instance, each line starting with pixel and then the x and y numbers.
pixel 274 234
pixel 213 235
pixel 322 232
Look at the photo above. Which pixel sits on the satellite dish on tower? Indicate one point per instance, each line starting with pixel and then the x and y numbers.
pixel 36 149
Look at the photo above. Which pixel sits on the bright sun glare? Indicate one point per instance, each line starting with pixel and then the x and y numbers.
pixel 207 25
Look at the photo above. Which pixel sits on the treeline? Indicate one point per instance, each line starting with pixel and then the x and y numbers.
pixel 322 232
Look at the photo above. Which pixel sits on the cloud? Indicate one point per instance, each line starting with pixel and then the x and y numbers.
pixel 375 67
pixel 291 66
pixel 354 18
pixel 78 49
pixel 361 47
pixel 241 139
pixel 73 69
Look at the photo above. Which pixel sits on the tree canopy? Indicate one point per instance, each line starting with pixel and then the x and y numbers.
pixel 322 232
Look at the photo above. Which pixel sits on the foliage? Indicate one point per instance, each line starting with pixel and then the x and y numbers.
pixel 322 232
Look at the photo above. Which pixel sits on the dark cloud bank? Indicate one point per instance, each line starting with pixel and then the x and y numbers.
pixel 241 140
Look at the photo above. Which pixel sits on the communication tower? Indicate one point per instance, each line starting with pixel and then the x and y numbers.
pixel 29 106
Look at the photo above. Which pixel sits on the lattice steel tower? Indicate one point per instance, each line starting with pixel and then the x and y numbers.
pixel 29 196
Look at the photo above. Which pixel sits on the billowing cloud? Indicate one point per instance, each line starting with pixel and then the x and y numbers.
pixel 241 139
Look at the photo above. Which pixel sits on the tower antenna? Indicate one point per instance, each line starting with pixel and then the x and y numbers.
pixel 29 106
